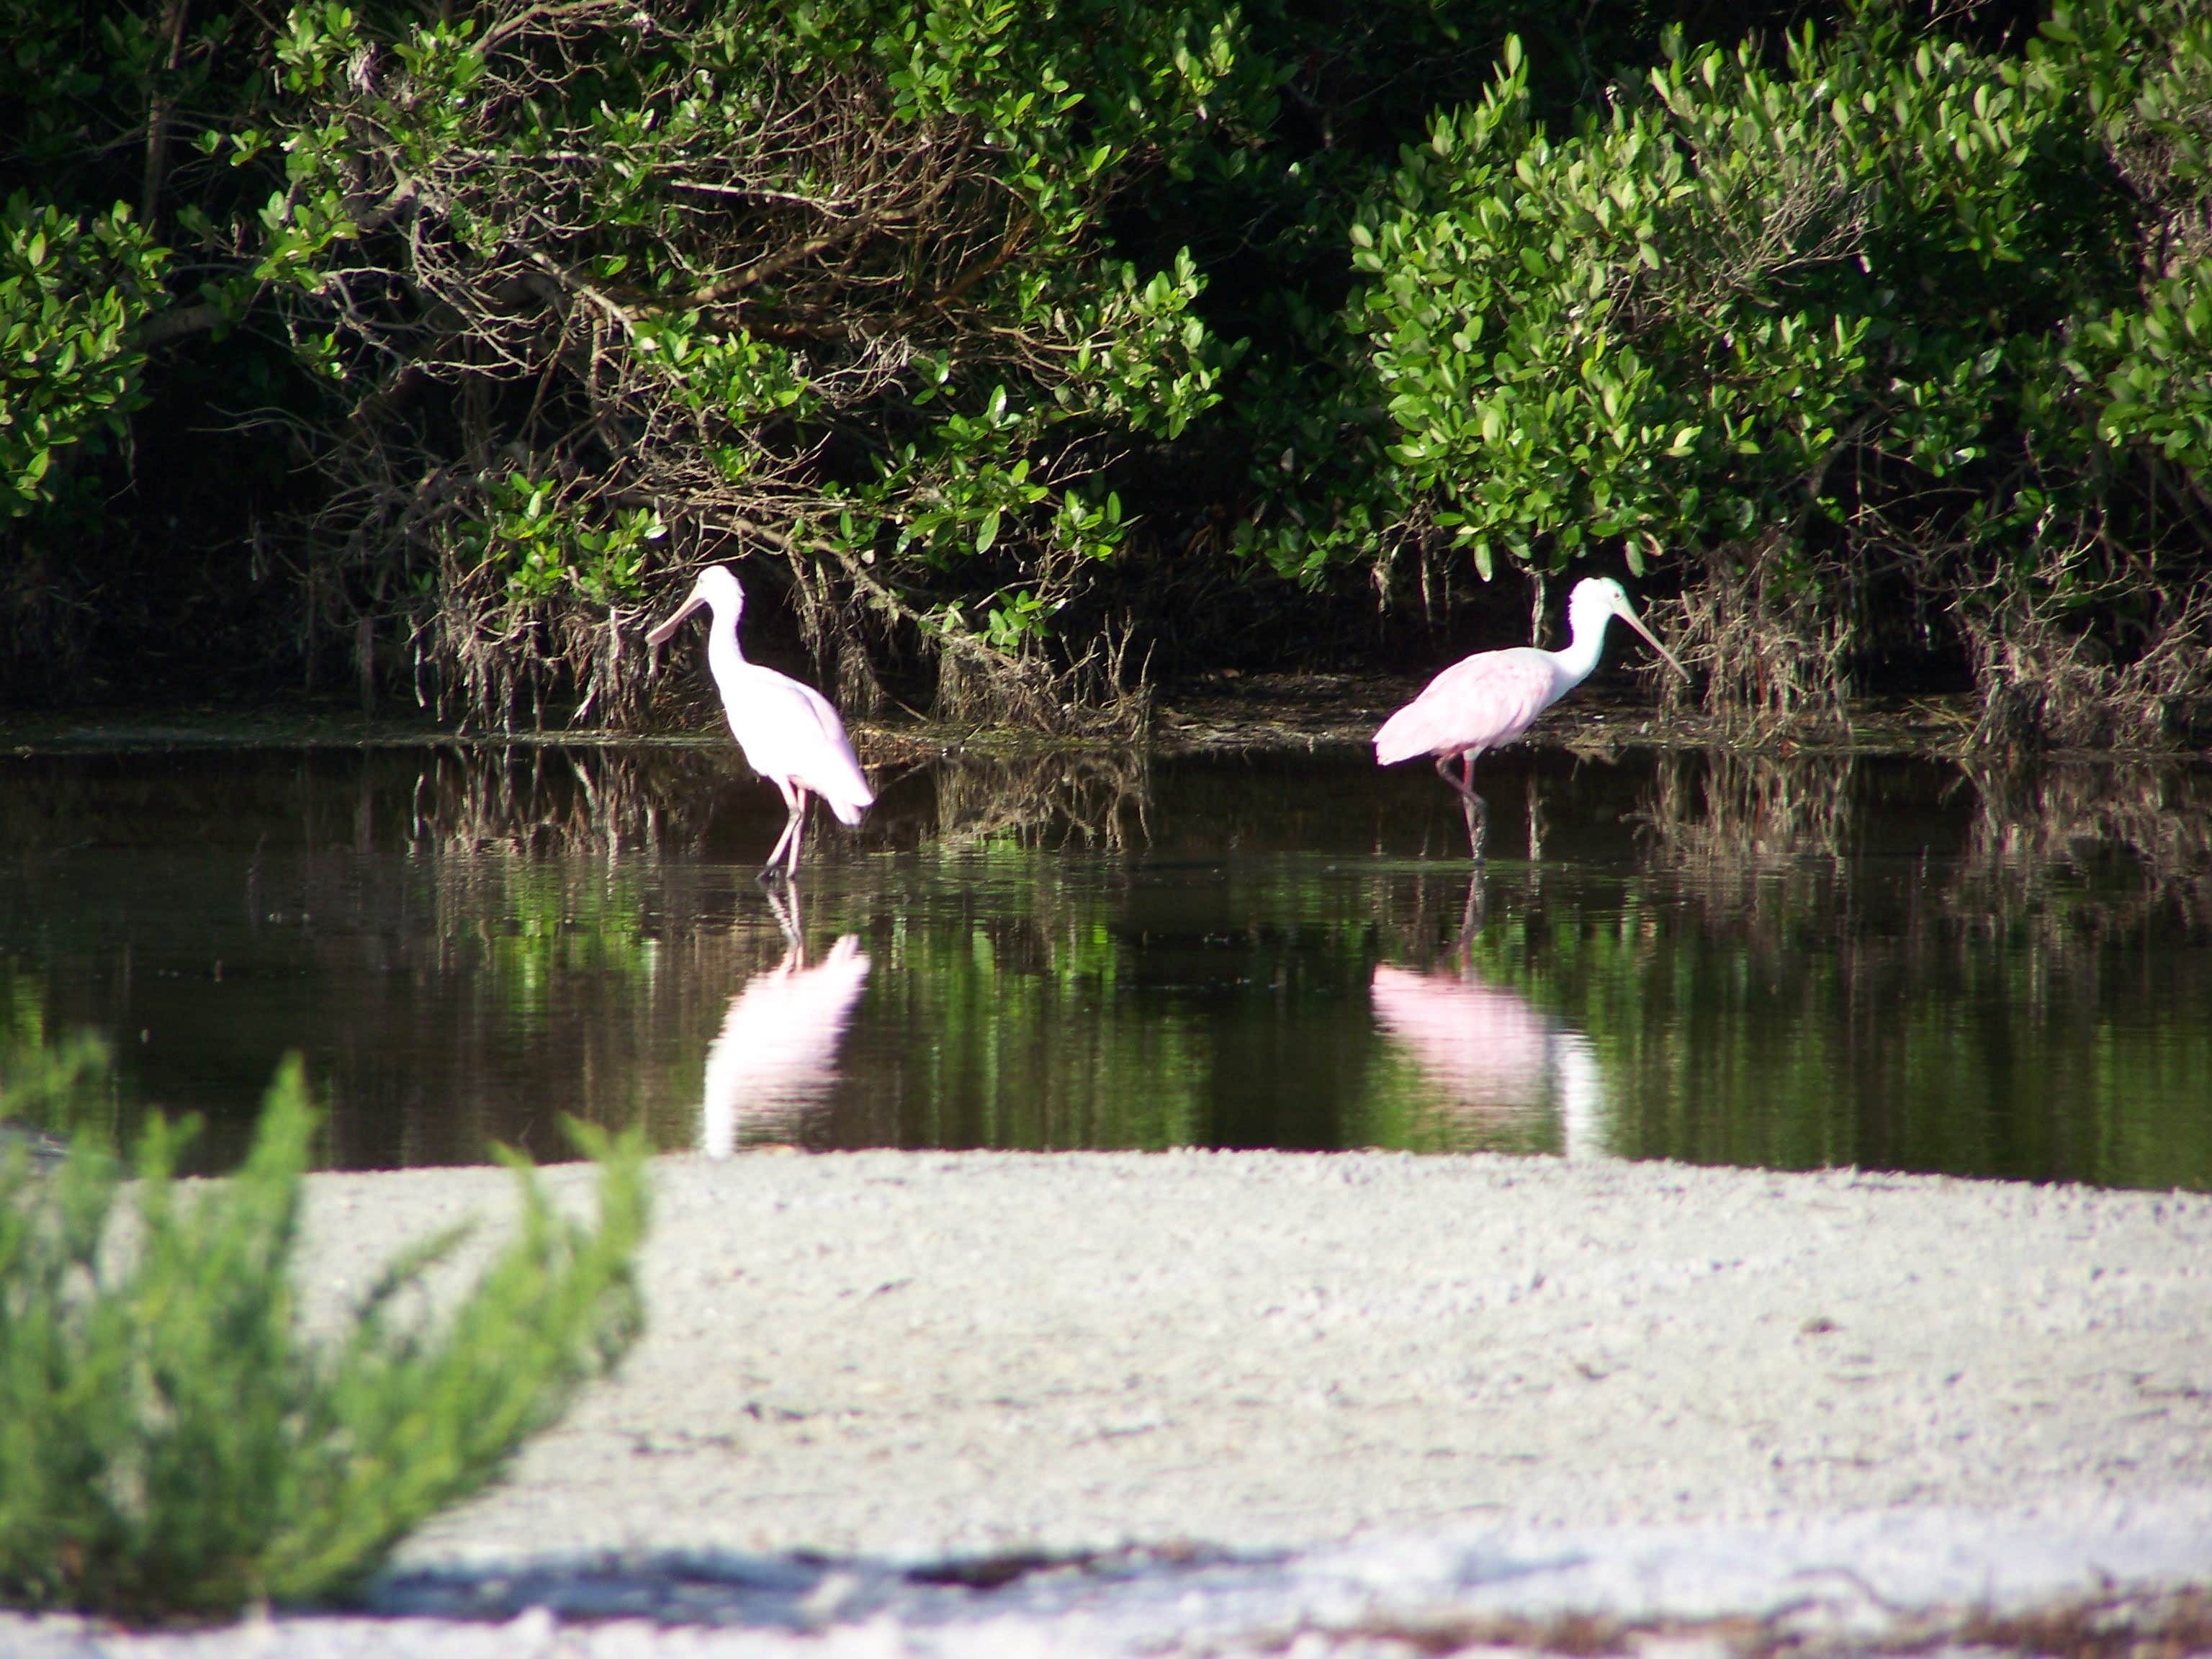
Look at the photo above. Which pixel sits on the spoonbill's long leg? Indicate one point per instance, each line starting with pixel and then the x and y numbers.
pixel 797 833
pixel 796 800
pixel 1478 810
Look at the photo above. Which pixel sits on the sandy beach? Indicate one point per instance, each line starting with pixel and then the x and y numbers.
pixel 1110 1402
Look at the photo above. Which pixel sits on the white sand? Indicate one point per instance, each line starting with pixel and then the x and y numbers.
pixel 1433 1384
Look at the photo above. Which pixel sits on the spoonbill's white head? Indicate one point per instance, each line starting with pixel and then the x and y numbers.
pixel 1596 600
pixel 717 588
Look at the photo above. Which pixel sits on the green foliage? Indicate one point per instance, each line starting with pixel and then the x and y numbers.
pixel 73 290
pixel 170 1442
pixel 2151 371
pixel 70 69
pixel 1793 326
pixel 545 549
pixel 969 323
pixel 1660 329
pixel 51 1083
pixel 829 274
pixel 2138 376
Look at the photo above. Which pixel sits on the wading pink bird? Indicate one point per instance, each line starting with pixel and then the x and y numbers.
pixel 1493 696
pixel 789 733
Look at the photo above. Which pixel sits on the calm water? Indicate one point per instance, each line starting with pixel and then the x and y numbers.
pixel 1890 964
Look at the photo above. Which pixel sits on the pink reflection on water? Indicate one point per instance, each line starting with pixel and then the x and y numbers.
pixel 1490 1054
pixel 777 1053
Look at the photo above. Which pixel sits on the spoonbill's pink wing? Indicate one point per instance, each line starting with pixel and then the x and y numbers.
pixel 790 732
pixel 843 785
pixel 1480 701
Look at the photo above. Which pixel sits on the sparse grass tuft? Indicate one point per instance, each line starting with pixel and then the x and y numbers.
pixel 172 1444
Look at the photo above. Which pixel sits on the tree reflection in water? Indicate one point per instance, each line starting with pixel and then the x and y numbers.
pixel 1787 962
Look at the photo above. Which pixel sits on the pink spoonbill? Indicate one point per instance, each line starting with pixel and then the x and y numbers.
pixel 789 733
pixel 1493 696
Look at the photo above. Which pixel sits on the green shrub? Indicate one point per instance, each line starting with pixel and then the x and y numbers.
pixel 50 1088
pixel 1869 334
pixel 829 279
pixel 73 290
pixel 170 1442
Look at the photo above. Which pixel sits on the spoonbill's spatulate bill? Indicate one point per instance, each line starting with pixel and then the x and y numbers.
pixel 1493 696
pixel 789 733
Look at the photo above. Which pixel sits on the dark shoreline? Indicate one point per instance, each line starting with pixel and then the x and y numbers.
pixel 1231 714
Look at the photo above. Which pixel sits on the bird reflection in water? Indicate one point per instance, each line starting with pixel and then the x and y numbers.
pixel 1493 1060
pixel 776 1056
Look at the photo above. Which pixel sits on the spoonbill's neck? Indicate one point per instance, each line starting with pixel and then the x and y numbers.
pixel 1579 659
pixel 722 635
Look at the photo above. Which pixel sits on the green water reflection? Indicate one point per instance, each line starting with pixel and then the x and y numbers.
pixel 1894 964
